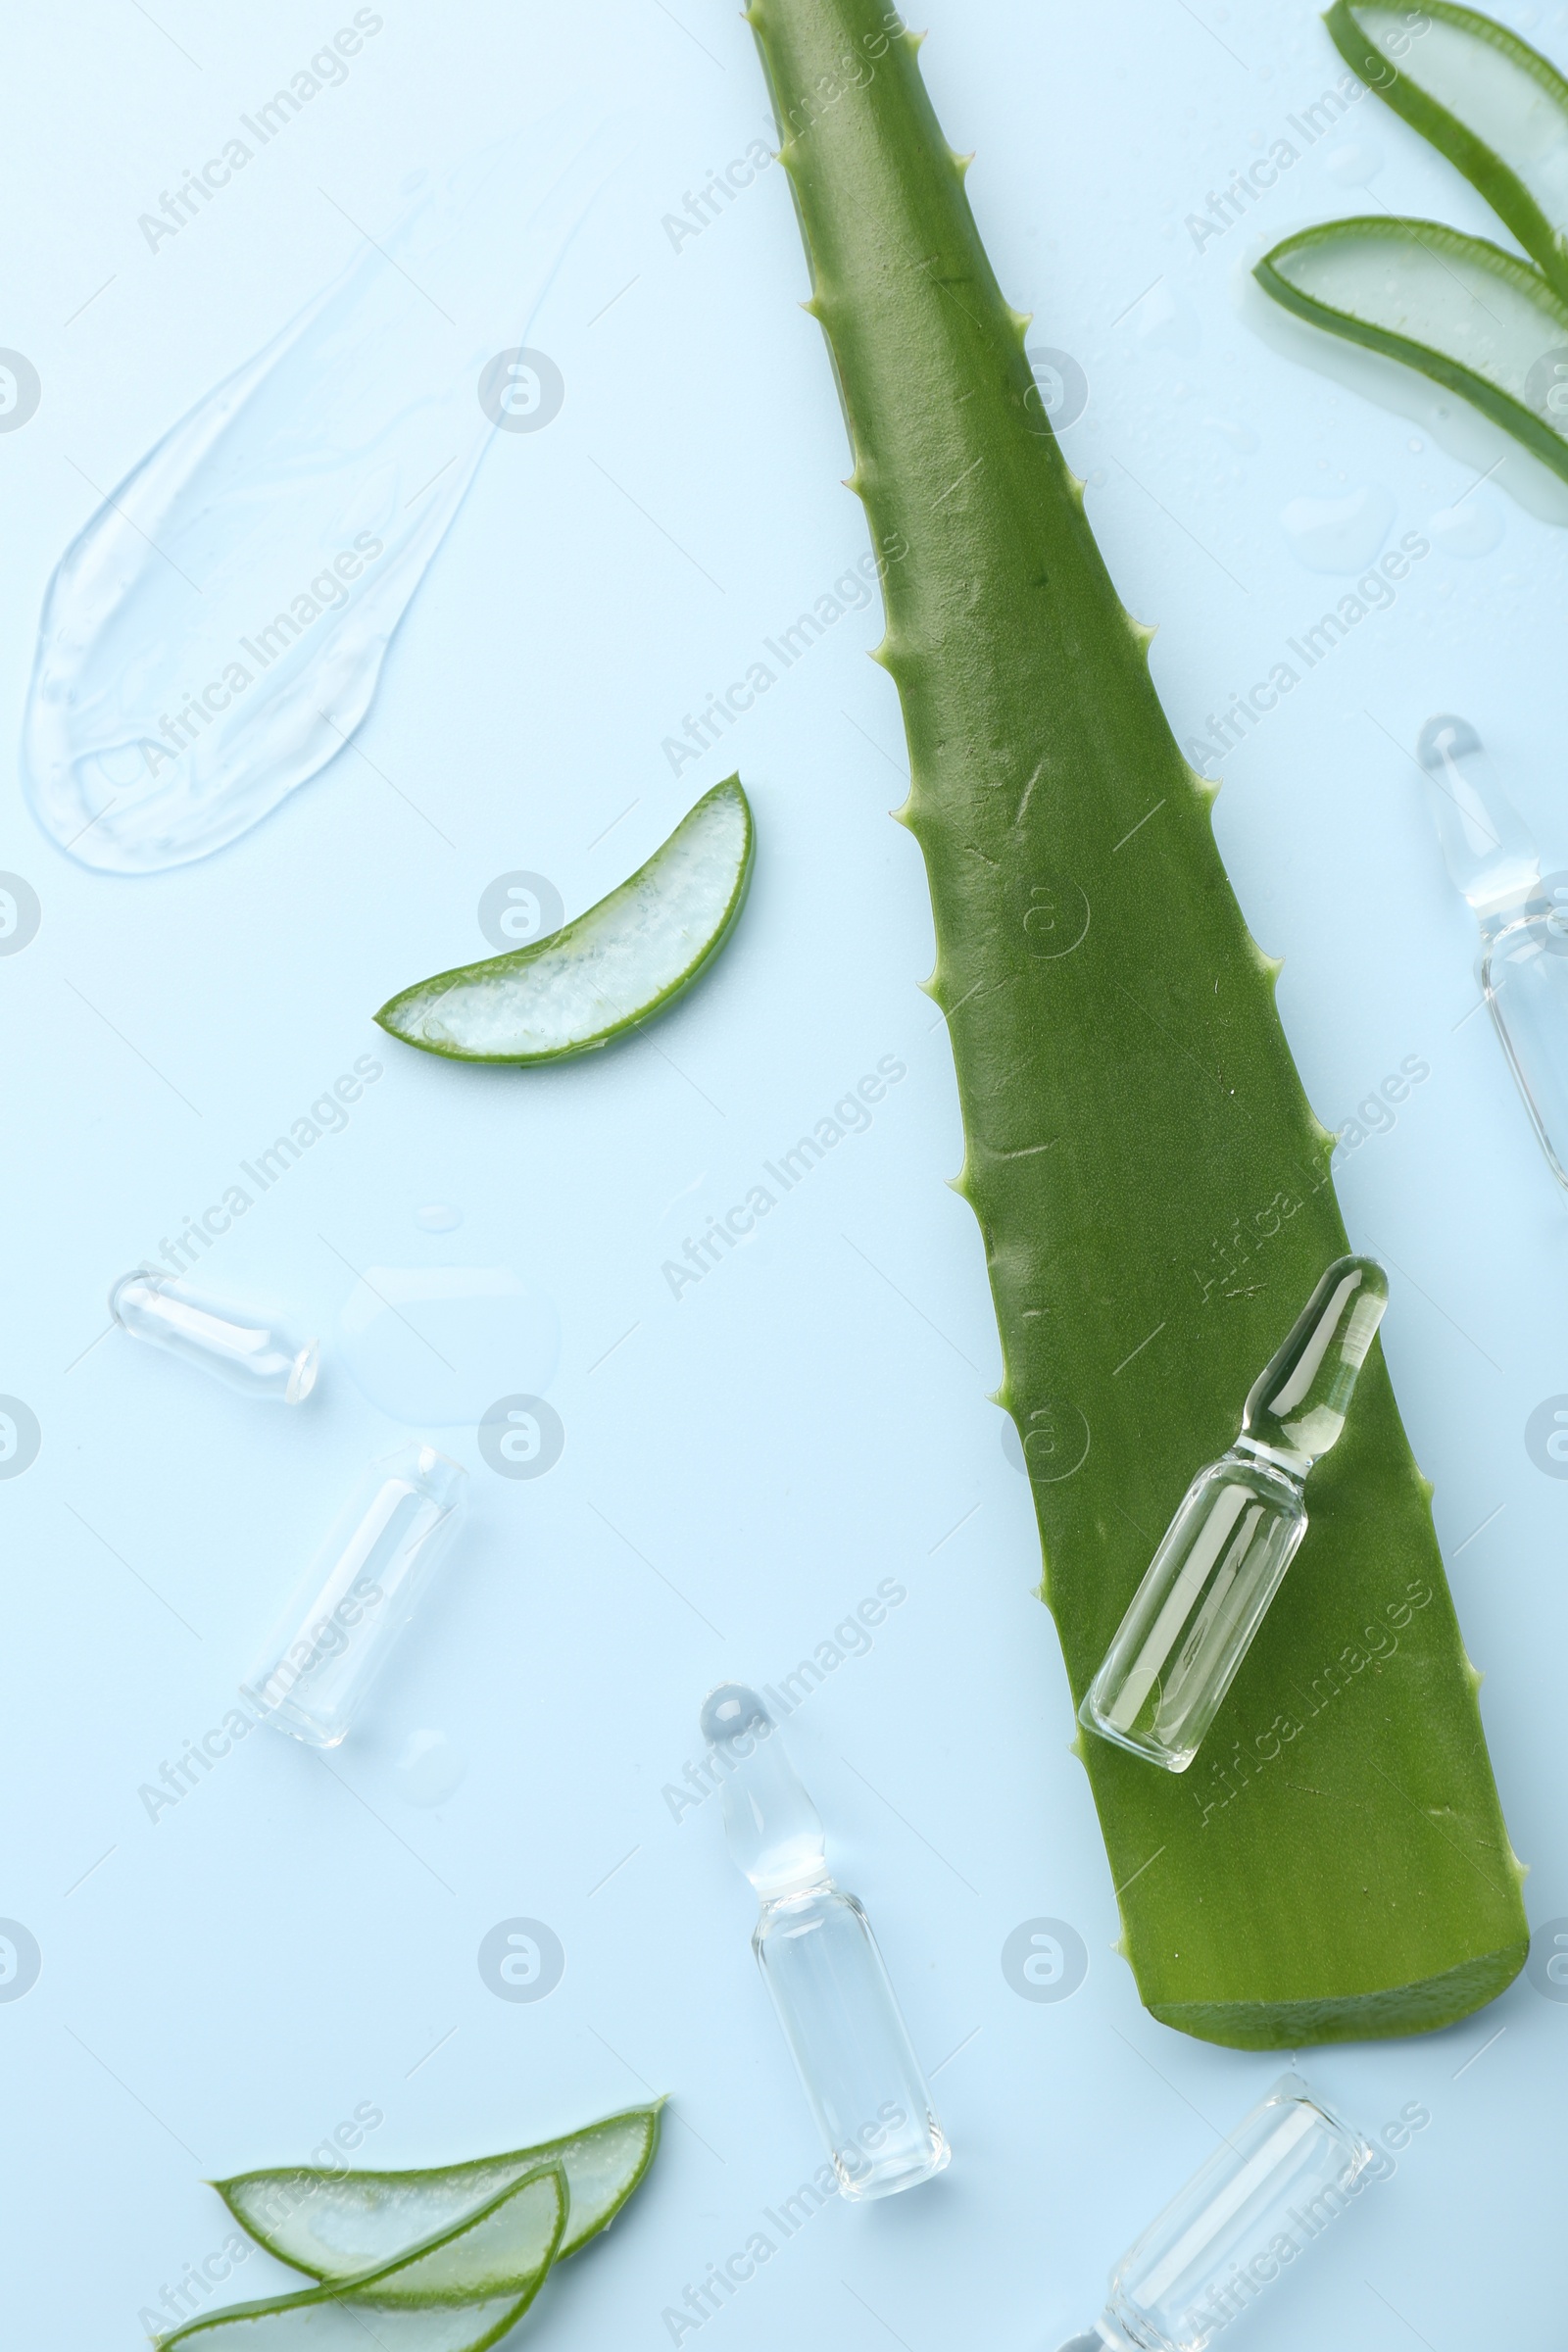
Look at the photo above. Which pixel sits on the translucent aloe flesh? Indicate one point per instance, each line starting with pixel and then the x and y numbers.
pixel 609 970
pixel 1454 307
pixel 1152 1187
pixel 1483 322
pixel 1494 106
pixel 334 2224
pixel 461 2289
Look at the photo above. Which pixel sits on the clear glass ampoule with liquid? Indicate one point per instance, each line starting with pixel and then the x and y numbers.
pixel 821 1965
pixel 243 1348
pixel 1287 2170
pixel 371 1575
pixel 1176 1652
pixel 1492 861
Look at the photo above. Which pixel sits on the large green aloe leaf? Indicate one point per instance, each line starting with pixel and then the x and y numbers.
pixel 1151 1186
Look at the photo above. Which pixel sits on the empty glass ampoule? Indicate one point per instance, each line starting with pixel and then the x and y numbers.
pixel 1524 923
pixel 358 1595
pixel 820 1962
pixel 1247 2215
pixel 244 1349
pixel 1219 1565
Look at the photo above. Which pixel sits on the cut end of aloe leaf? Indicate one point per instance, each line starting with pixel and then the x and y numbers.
pixel 606 972
pixel 1468 315
pixel 333 2225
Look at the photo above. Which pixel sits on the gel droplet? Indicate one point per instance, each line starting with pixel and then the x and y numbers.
pixel 1353 166
pixel 220 623
pixel 436 1345
pixel 1471 528
pixel 429 1767
pixel 438 1216
pixel 1339 534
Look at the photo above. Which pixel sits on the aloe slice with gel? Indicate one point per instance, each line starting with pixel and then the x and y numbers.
pixel 1494 106
pixel 456 2291
pixel 607 971
pixel 1473 318
pixel 334 2224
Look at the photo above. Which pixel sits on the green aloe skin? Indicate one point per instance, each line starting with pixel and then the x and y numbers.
pixel 1479 321
pixel 1151 1184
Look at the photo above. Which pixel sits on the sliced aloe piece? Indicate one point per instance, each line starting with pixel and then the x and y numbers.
pixel 1466 314
pixel 1484 98
pixel 607 971
pixel 318 2322
pixel 456 2291
pixel 332 2226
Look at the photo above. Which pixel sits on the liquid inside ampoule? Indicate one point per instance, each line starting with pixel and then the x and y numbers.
pixel 339 1626
pixel 820 1963
pixel 245 1348
pixel 1243 2220
pixel 1492 861
pixel 1236 1531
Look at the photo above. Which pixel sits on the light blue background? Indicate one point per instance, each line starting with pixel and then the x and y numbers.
pixel 292 1941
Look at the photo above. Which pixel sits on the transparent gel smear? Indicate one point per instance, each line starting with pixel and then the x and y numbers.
pixel 1245 2218
pixel 820 1963
pixel 216 633
pixel 1492 861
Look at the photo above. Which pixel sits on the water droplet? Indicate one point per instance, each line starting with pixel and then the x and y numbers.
pixel 1339 534
pixel 1012 1444
pixel 1239 436
pixel 1160 319
pixel 438 1216
pixel 429 1767
pixel 224 615
pixel 435 1345
pixel 1353 166
pixel 1473 527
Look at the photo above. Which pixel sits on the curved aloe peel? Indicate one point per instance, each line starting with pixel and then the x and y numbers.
pixel 1461 311
pixel 1494 106
pixel 459 2290
pixel 333 2225
pixel 607 971
pixel 1151 1184
pixel 1482 323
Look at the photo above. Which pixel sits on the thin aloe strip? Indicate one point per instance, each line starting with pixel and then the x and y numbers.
pixel 1151 1184
pixel 1483 97
pixel 334 2224
pixel 607 971
pixel 1462 311
pixel 457 2291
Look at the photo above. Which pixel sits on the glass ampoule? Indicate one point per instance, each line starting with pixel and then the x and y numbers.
pixel 1176 1652
pixel 1491 861
pixel 358 1593
pixel 247 1351
pixel 821 1965
pixel 1245 2216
